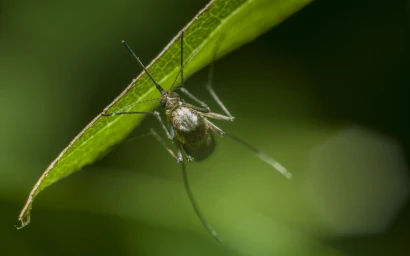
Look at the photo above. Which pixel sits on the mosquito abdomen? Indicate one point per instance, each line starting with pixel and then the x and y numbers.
pixel 192 132
pixel 201 151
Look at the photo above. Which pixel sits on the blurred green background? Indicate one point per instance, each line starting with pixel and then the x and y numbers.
pixel 326 93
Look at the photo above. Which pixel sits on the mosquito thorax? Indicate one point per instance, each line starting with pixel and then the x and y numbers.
pixel 170 100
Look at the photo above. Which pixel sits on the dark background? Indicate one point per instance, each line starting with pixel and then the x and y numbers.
pixel 326 93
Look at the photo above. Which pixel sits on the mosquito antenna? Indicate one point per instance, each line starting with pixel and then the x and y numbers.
pixel 267 159
pixel 198 212
pixel 186 62
pixel 182 58
pixel 160 89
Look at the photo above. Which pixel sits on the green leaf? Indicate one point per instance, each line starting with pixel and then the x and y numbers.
pixel 236 21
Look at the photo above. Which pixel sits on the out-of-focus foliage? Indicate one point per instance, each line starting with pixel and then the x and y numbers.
pixel 325 93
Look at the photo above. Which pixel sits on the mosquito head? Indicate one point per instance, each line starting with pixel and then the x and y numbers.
pixel 170 100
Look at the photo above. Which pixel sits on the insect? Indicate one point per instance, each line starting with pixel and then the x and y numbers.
pixel 190 129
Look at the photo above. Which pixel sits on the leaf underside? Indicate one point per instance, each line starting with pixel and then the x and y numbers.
pixel 236 21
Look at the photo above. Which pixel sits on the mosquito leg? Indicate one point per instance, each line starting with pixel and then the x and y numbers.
pixel 199 109
pixel 155 113
pixel 219 116
pixel 177 156
pixel 190 95
pixel 153 133
pixel 180 147
pixel 188 156
pixel 198 212
pixel 208 85
pixel 215 128
pixel 216 98
pixel 267 159
pixel 264 157
pixel 213 115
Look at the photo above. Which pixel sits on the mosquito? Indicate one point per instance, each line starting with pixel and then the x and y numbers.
pixel 190 129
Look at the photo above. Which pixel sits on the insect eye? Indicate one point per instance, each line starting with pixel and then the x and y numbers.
pixel 163 103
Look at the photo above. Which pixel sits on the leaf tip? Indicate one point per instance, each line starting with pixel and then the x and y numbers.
pixel 24 217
